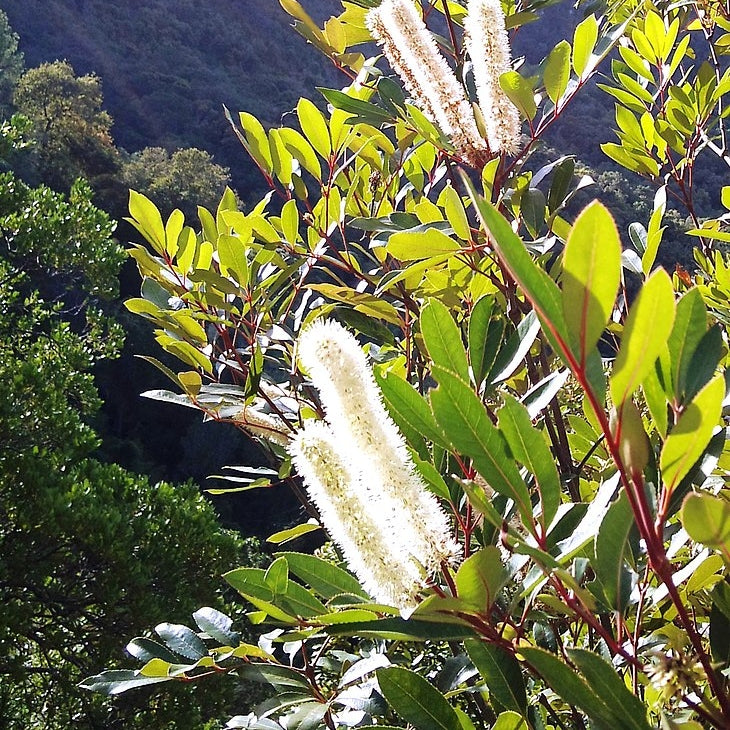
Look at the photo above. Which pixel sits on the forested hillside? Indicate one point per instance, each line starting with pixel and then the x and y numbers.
pixel 168 66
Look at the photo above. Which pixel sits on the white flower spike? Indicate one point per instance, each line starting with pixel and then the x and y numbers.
pixel 374 446
pixel 413 54
pixel 385 570
pixel 488 46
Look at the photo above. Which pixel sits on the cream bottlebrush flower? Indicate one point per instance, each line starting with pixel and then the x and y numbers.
pixel 413 54
pixel 488 47
pixel 355 411
pixel 385 570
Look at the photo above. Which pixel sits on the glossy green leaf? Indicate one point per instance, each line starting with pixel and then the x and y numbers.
pixel 443 338
pixel 232 257
pixel 363 110
pixel 399 629
pixel 571 687
pixel 690 326
pixel 417 245
pixel 691 434
pixel 557 71
pixel 217 625
pixel 706 519
pixel 528 446
pixel 301 150
pixel 465 422
pixel 628 710
pixel 501 673
pixel 116 681
pixel 480 578
pixel 520 92
pixel 584 43
pixel 257 141
pixel 146 649
pixel 409 407
pixel 645 335
pixel 416 700
pixel 315 127
pixel 325 578
pixel 147 220
pixel 591 277
pixel 279 538
pixel 481 354
pixel 610 548
pixel 510 721
pixel 182 640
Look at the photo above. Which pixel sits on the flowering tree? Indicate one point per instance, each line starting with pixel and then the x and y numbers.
pixel 522 475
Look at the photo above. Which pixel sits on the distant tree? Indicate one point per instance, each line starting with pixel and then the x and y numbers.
pixel 184 179
pixel 11 64
pixel 71 130
pixel 88 551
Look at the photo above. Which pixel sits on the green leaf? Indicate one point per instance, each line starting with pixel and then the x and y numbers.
pixel 257 143
pixel 482 350
pixel 510 721
pixel 279 538
pixel 645 335
pixel 232 257
pixel 182 640
pixel 363 110
pixel 520 92
pixel 464 420
pixel 217 625
pixel 706 519
pixel 571 687
pixel 539 288
pixel 409 407
pixel 146 649
pixel 443 338
pixel 591 277
pixel 532 208
pixel 277 576
pixel 116 681
pixel 315 127
pixel 147 220
pixel 512 353
pixel 325 578
pixel 628 710
pixel 584 42
pixel 557 71
pixel 301 150
pixel 528 446
pixel 417 245
pixel 501 673
pixel 416 701
pixel 610 548
pixel 562 178
pixel 688 439
pixel 480 578
pixel 690 326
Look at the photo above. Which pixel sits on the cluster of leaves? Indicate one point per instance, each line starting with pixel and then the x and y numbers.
pixel 577 441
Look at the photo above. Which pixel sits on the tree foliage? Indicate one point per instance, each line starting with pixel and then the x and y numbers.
pixel 184 179
pixel 86 549
pixel 574 435
pixel 72 131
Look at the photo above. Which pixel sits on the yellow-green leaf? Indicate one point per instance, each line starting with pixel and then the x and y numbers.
pixel 591 277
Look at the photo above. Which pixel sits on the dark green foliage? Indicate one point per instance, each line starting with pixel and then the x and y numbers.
pixel 11 63
pixel 71 131
pixel 184 179
pixel 87 550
